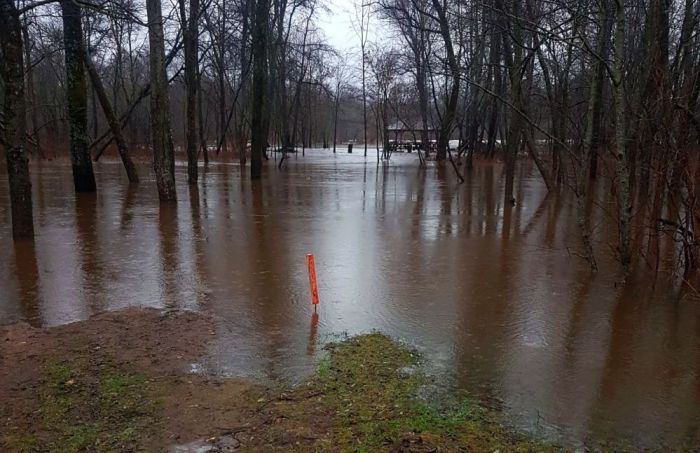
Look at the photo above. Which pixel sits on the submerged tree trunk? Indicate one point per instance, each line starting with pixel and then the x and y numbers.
pixel 76 98
pixel 448 117
pixel 13 121
pixel 384 130
pixel 513 54
pixel 336 107
pixel 161 139
pixel 622 172
pixel 221 41
pixel 112 120
pixel 258 129
pixel 200 119
pixel 597 137
pixel 191 47
pixel 280 56
pixel 423 106
pixel 241 125
pixel 584 167
pixel 364 98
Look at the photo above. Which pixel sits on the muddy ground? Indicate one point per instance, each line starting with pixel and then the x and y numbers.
pixel 121 382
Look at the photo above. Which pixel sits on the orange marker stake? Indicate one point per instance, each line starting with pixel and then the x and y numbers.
pixel 312 279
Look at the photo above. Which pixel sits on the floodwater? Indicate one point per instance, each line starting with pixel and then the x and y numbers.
pixel 495 298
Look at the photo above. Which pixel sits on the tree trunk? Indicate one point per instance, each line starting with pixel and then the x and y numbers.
pixel 112 120
pixel 190 26
pixel 13 124
pixel 364 93
pixel 222 110
pixel 221 75
pixel 202 125
pixel 245 59
pixel 161 138
pixel 76 98
pixel 423 106
pixel 497 80
pixel 597 136
pixel 258 121
pixel 622 172
pixel 385 128
pixel 584 166
pixel 513 54
pixel 31 104
pixel 281 76
pixel 451 102
pixel 335 117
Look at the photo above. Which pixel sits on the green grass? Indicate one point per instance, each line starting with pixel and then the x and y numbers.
pixel 371 385
pixel 365 399
pixel 81 408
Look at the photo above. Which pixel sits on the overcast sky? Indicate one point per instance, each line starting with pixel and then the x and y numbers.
pixel 337 26
pixel 338 29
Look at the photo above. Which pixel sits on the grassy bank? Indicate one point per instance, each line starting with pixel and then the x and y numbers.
pixel 371 385
pixel 363 398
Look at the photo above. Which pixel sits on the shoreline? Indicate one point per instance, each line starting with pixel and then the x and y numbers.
pixel 119 382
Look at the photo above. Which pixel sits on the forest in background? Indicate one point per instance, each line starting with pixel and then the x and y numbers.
pixel 587 90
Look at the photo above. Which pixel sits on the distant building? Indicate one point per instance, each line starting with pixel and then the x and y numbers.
pixel 404 136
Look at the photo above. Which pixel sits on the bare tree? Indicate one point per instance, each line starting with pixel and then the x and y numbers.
pixel 363 13
pixel 13 120
pixel 112 120
pixel 259 53
pixel 339 75
pixel 622 173
pixel 76 97
pixel 161 138
pixel 190 26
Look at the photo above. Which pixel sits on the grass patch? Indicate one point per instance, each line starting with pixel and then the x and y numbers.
pixel 81 408
pixel 370 383
pixel 367 395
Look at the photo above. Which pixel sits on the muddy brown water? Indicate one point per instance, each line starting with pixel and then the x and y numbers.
pixel 495 298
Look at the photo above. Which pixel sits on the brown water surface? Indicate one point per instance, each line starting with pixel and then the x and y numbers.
pixel 494 297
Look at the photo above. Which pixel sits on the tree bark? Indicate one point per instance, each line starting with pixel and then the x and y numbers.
pixel 364 98
pixel 202 126
pixel 513 54
pixel 223 123
pixel 584 166
pixel 112 120
pixel 161 138
pixel 622 172
pixel 258 129
pixel 451 102
pixel 13 121
pixel 336 107
pixel 76 98
pixel 190 27
pixel 31 103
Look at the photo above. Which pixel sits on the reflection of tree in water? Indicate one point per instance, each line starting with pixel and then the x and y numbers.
pixel 270 274
pixel 127 215
pixel 649 385
pixel 89 249
pixel 27 276
pixel 168 231
pixel 199 273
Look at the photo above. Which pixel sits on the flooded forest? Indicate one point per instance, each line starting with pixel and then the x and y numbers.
pixel 499 195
